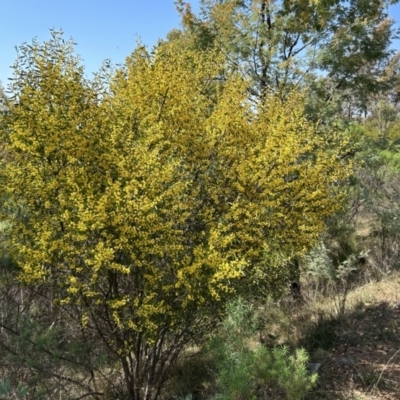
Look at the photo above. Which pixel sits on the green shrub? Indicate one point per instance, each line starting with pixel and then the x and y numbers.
pixel 7 392
pixel 242 365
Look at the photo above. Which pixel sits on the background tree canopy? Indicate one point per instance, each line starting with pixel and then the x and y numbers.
pixel 338 50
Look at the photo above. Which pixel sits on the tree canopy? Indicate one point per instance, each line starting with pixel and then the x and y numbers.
pixel 337 49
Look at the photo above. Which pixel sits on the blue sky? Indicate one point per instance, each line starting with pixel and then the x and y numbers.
pixel 101 28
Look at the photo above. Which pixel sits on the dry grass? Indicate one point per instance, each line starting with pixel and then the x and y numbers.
pixel 359 350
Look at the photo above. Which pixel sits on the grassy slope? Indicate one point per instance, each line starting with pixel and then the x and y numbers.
pixel 359 350
pixel 368 337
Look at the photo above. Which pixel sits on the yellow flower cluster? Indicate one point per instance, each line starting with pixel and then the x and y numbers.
pixel 165 193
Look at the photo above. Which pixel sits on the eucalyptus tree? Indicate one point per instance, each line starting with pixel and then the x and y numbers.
pixel 336 49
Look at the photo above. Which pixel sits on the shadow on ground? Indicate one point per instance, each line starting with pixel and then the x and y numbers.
pixel 359 353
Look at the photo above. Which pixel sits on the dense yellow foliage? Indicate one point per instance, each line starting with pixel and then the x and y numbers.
pixel 154 200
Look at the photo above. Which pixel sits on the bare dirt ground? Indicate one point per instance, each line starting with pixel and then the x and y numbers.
pixel 359 352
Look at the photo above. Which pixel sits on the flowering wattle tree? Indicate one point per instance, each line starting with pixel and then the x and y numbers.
pixel 149 198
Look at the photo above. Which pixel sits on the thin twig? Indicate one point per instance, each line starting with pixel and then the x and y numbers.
pixel 162 105
pixel 383 370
